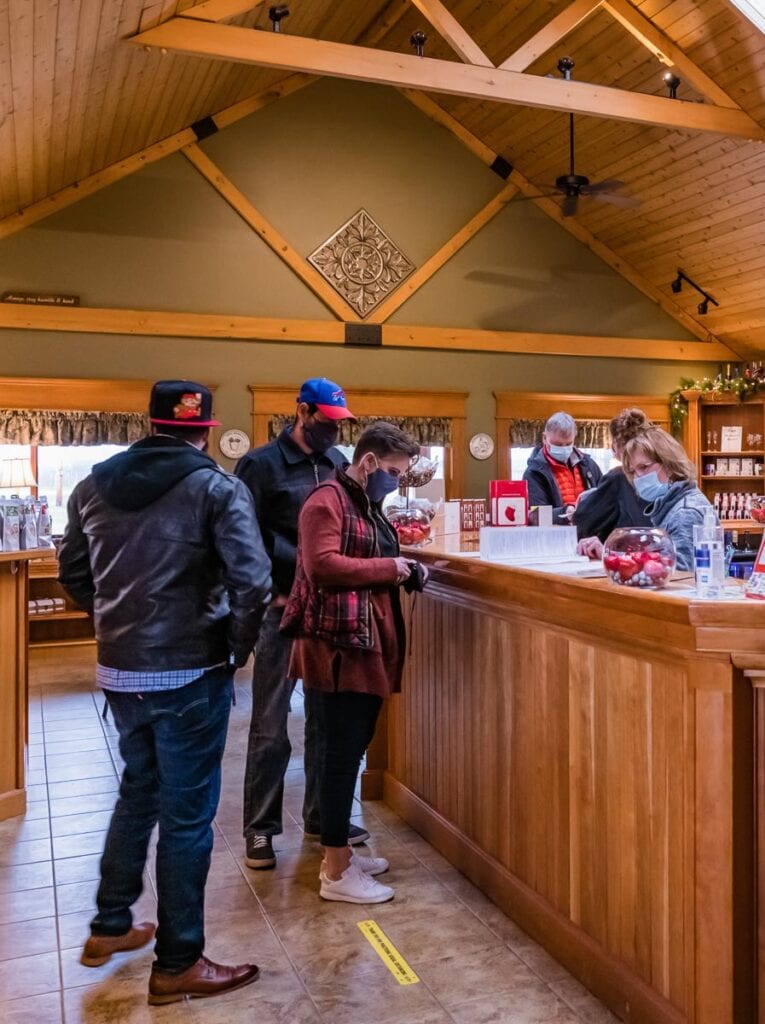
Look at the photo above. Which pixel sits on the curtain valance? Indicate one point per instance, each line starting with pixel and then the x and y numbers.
pixel 589 433
pixel 426 430
pixel 68 427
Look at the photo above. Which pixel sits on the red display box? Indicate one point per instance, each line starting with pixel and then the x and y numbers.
pixel 509 501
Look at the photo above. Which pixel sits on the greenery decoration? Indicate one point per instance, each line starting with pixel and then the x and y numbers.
pixel 739 388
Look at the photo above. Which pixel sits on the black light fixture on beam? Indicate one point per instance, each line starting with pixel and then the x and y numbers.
pixel 672 82
pixel 418 40
pixel 706 298
pixel 276 14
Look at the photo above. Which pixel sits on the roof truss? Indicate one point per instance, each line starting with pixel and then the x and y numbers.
pixel 469 79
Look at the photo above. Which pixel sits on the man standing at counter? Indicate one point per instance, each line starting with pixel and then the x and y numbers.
pixel 280 476
pixel 557 472
pixel 163 549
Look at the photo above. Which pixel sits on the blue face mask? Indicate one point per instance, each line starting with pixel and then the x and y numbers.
pixel 649 487
pixel 379 483
pixel 560 452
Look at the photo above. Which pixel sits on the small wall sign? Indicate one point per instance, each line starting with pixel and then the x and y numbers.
pixel 40 299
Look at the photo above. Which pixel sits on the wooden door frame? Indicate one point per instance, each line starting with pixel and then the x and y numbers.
pixel 270 400
pixel 527 405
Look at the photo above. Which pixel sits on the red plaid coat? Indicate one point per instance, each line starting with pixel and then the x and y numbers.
pixel 343 608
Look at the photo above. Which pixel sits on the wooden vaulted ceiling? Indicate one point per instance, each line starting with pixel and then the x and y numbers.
pixel 76 97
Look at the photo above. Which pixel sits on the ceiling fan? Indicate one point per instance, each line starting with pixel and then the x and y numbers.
pixel 573 186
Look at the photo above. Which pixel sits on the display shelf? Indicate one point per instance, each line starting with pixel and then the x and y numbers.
pixel 740 524
pixel 69 613
pixel 44 568
pixel 750 451
pixel 727 479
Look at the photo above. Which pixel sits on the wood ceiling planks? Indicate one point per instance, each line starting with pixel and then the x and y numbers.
pixel 75 98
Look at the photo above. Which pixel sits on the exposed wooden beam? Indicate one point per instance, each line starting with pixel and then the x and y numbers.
pixel 553 210
pixel 219 10
pixel 239 202
pixel 555 30
pixel 667 52
pixel 149 323
pixel 340 60
pixel 115 172
pixel 431 266
pixel 447 26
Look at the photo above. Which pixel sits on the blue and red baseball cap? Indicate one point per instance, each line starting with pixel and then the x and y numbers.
pixel 328 397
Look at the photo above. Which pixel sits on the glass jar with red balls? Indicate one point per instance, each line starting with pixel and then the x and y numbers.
pixel 634 556
pixel 411 524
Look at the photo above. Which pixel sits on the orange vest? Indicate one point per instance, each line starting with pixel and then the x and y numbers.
pixel 568 479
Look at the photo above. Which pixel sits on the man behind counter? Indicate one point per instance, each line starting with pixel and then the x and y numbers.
pixel 557 472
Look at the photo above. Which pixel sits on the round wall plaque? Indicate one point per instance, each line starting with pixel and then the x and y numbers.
pixel 481 446
pixel 234 443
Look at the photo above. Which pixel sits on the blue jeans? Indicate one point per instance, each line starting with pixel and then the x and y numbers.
pixel 268 746
pixel 172 743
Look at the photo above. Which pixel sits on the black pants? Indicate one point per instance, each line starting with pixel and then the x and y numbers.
pixel 347 721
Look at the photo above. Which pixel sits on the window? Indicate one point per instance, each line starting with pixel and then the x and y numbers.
pixel 520 456
pixel 59 469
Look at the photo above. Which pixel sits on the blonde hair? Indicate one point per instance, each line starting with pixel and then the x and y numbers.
pixel 626 424
pixel 661 447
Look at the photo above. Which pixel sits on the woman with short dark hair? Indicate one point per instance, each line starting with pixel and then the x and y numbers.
pixel 345 614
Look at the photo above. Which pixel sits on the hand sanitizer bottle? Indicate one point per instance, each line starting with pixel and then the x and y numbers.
pixel 709 557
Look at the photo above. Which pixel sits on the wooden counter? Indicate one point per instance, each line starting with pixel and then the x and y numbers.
pixel 14 596
pixel 589 756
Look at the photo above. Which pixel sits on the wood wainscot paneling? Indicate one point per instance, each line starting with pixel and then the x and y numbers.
pixel 584 754
pixel 527 405
pixel 274 400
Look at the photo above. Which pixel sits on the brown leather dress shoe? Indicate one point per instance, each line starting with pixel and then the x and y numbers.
pixel 200 981
pixel 98 949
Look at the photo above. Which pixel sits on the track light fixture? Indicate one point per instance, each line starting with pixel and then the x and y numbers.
pixel 276 14
pixel 418 40
pixel 671 81
pixel 706 298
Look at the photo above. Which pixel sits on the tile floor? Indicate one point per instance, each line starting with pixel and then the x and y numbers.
pixel 475 966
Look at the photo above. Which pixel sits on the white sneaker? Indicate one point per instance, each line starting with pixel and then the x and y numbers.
pixel 369 865
pixel 354 886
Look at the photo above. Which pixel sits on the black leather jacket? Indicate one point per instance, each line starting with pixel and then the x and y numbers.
pixel 163 548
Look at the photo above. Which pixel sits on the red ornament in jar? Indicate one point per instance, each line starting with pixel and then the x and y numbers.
pixel 637 557
pixel 411 524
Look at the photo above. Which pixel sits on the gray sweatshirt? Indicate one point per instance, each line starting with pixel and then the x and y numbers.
pixel 681 508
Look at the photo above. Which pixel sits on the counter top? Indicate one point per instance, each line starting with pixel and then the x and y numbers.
pixel 27 556
pixel 673 617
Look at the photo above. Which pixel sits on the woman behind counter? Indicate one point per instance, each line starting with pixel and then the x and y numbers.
pixel 345 613
pixel 614 502
pixel 664 477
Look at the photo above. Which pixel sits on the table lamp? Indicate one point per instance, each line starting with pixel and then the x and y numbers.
pixel 15 473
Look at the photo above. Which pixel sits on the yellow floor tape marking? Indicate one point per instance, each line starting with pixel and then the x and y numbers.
pixel 388 953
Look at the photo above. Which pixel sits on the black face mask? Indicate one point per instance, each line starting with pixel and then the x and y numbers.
pixel 320 436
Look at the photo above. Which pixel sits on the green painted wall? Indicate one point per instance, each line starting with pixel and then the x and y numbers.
pixel 163 239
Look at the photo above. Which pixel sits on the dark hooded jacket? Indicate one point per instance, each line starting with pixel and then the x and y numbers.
pixel 613 503
pixel 163 548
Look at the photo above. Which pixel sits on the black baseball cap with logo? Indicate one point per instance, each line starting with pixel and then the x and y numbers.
pixel 181 403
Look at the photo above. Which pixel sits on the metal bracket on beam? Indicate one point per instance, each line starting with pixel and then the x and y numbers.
pixel 204 128
pixel 364 335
